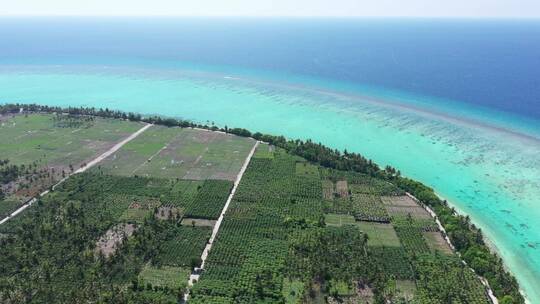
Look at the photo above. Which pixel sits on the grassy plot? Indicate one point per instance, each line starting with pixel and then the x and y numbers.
pixel 181 153
pixel 26 139
pixel 135 154
pixel 338 220
pixel 164 276
pixel 45 149
pixel 379 234
pixel 437 243
pixel 264 151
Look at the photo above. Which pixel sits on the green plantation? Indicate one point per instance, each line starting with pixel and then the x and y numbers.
pixel 303 225
pixel 285 240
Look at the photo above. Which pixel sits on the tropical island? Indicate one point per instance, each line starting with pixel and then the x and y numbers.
pixel 102 206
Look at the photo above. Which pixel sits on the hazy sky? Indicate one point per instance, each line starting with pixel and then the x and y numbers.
pixel 462 8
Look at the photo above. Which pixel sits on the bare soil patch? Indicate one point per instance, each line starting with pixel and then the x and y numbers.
pixel 113 238
pixel 198 222
pixel 328 189
pixel 342 189
pixel 402 201
pixel 415 212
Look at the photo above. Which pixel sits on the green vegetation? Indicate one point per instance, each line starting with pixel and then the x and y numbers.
pixel 164 276
pixel 294 231
pixel 210 200
pixel 67 264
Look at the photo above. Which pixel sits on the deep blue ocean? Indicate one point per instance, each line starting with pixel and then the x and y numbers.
pixel 493 63
pixel 454 103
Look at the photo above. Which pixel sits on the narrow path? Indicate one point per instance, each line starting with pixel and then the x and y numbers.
pixel 195 276
pixel 80 170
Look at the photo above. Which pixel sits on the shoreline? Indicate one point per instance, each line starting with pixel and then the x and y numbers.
pixel 490 244
pixel 489 291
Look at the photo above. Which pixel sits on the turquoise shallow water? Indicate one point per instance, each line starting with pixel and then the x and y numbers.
pixel 483 168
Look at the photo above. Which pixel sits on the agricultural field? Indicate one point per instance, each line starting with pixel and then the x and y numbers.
pixel 132 229
pixel 182 153
pixel 275 242
pixel 38 150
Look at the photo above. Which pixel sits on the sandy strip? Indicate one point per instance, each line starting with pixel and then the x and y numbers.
pixel 80 170
pixel 195 276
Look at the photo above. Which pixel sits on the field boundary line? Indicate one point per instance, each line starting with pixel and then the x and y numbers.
pixel 87 166
pixel 195 276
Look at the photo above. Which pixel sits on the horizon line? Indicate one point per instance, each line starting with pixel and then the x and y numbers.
pixel 510 17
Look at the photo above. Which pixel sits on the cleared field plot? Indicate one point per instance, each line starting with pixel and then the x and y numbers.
pixel 181 153
pixel 338 220
pixel 402 201
pixel 183 246
pixel 197 222
pixel 328 189
pixel 436 242
pixel 164 276
pixel 379 234
pixel 264 151
pixel 415 212
pixel 36 138
pixel 342 189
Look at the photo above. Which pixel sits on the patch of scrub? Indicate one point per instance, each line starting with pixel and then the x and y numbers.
pixel 293 291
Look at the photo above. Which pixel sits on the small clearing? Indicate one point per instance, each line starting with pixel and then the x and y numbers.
pixel 198 222
pixel 342 189
pixel 113 238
